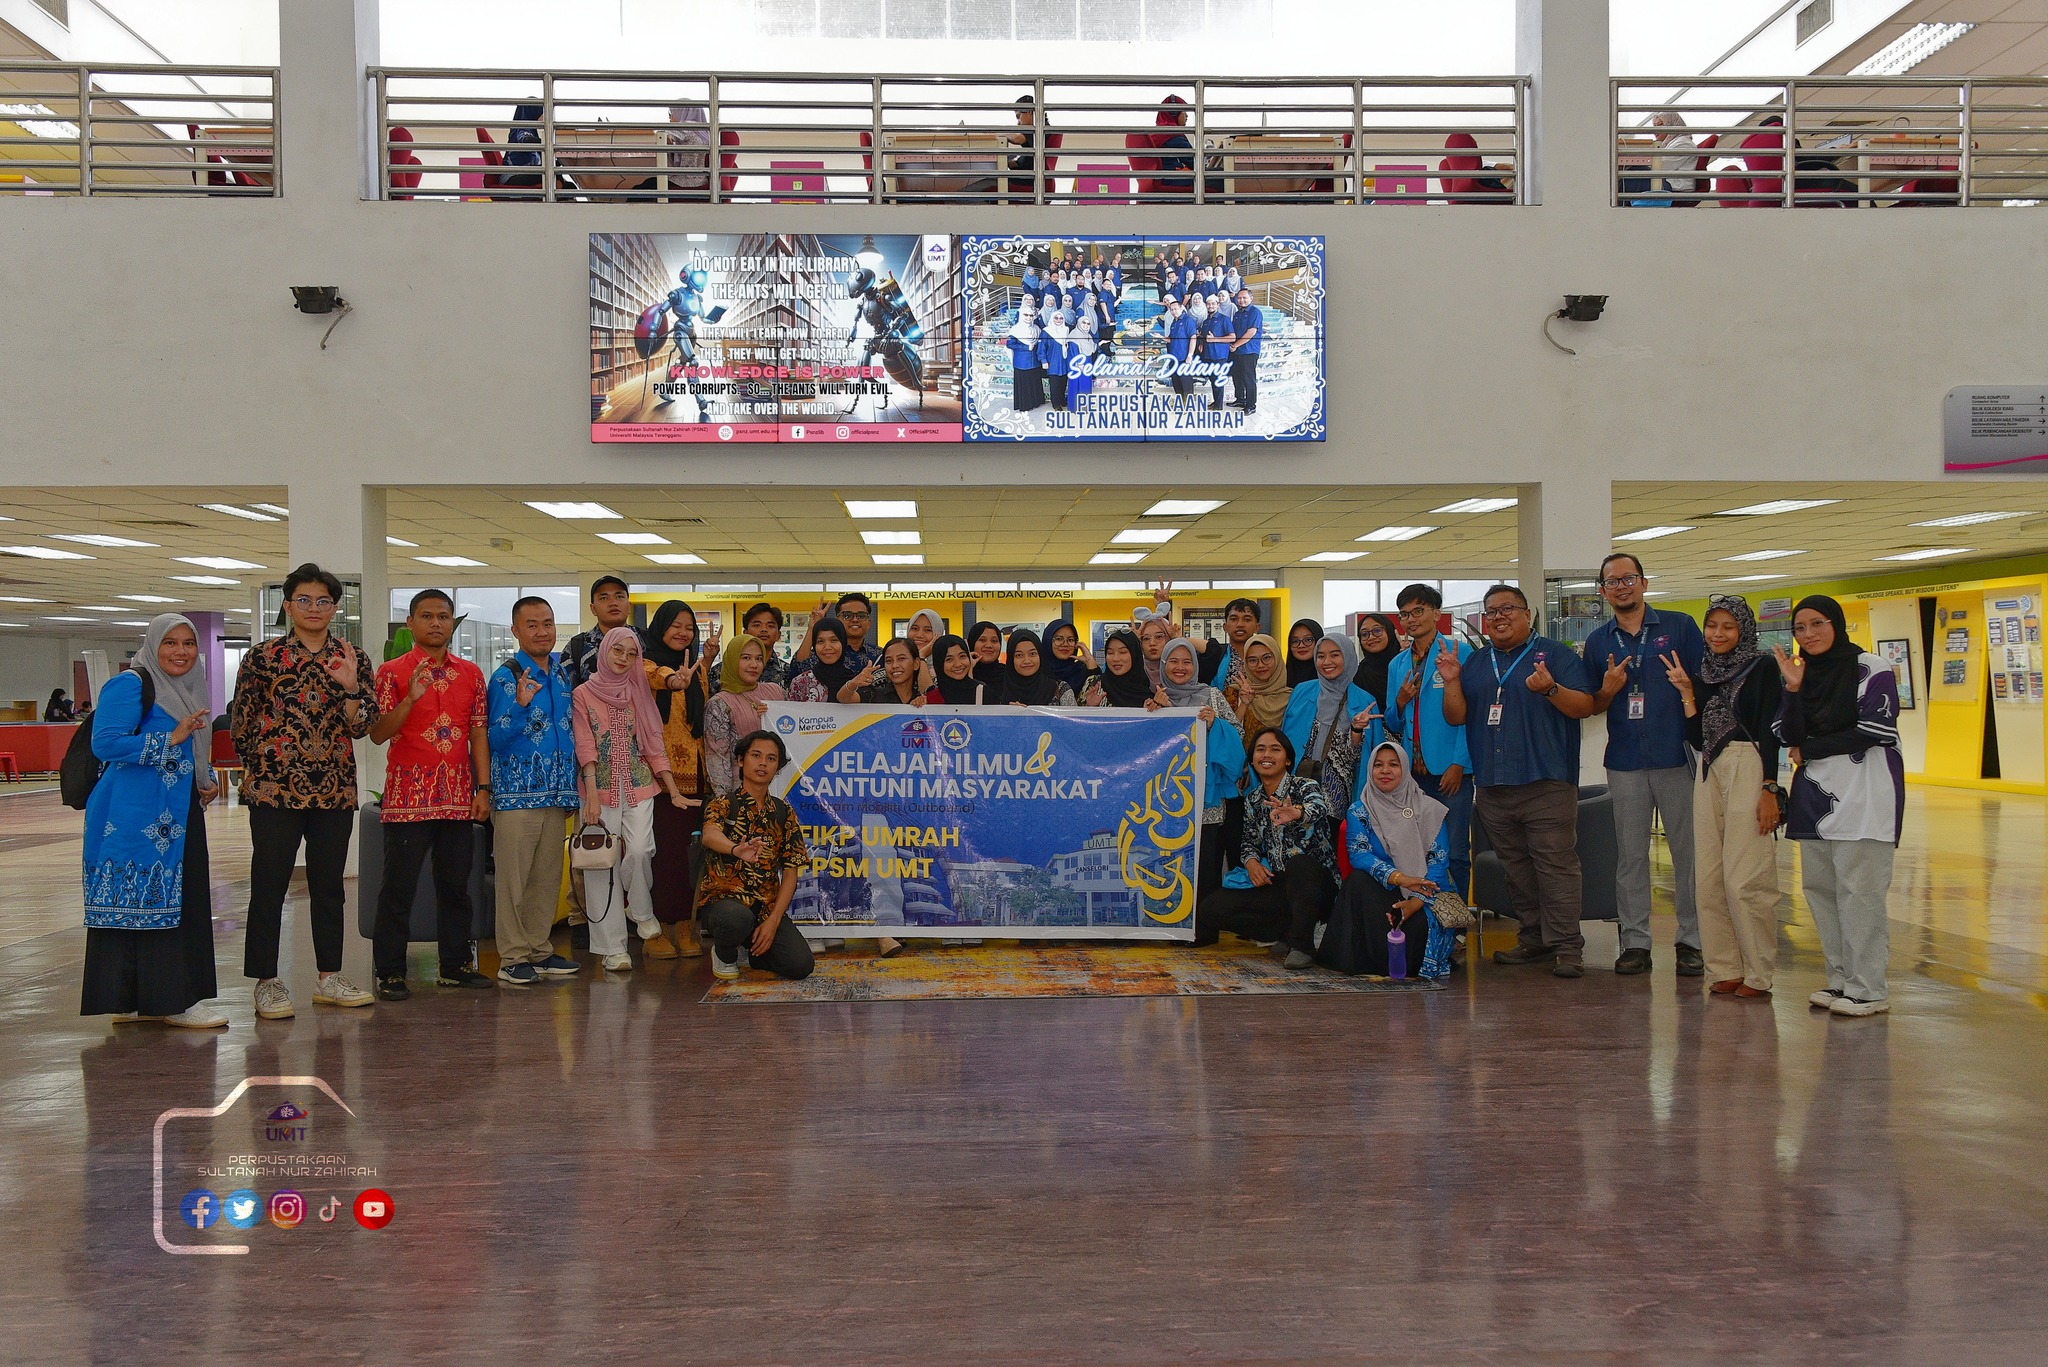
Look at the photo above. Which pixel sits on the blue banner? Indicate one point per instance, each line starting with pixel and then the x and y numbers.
pixel 1026 823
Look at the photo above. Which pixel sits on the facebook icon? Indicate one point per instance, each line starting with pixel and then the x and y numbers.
pixel 200 1208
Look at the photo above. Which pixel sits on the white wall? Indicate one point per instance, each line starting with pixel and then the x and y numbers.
pixel 32 665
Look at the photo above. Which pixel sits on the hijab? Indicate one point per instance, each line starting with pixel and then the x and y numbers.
pixel 621 689
pixel 1723 676
pixel 735 692
pixel 1070 672
pixel 1828 696
pixel 1193 693
pixel 1025 329
pixel 989 673
pixel 1334 692
pixel 183 694
pixel 1036 689
pixel 836 675
pixel 1406 820
pixel 938 627
pixel 1300 671
pixel 1265 703
pixel 654 648
pixel 1372 664
pixel 1128 689
pixel 954 692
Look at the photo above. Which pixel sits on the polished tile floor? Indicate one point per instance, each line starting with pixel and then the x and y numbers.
pixel 1516 1170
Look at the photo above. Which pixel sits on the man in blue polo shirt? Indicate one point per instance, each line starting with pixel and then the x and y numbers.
pixel 1244 352
pixel 1520 701
pixel 1442 761
pixel 1648 766
pixel 1180 342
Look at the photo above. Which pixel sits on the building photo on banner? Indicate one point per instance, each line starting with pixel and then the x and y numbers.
pixel 1034 822
pixel 774 337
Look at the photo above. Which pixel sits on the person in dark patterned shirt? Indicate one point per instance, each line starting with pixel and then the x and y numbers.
pixel 753 851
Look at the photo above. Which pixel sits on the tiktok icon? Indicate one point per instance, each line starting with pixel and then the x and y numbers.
pixel 330 1210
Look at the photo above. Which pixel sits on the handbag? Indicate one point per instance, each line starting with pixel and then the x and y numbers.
pixel 594 847
pixel 1450 911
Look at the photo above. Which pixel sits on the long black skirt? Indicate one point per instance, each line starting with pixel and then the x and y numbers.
pixel 1356 940
pixel 1027 390
pixel 158 972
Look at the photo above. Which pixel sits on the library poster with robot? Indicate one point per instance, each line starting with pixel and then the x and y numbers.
pixel 783 337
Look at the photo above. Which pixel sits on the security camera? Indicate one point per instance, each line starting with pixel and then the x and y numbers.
pixel 317 298
pixel 1583 308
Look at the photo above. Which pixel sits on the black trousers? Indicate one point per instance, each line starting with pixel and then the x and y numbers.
pixel 1286 908
pixel 731 923
pixel 1244 374
pixel 406 846
pixel 1058 385
pixel 274 836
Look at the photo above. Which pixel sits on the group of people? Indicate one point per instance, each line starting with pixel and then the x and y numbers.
pixel 1343 778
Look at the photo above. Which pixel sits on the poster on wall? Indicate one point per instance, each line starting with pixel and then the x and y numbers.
pixel 1144 339
pixel 774 337
pixel 1954 673
pixel 1994 428
pixel 1899 654
pixel 1026 823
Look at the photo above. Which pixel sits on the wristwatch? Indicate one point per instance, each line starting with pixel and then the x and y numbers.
pixel 1551 691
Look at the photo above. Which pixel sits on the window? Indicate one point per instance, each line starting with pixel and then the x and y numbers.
pixel 1811 19
pixel 60 10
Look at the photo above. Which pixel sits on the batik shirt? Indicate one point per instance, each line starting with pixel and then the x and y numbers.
pixel 1272 843
pixel 428 775
pixel 782 848
pixel 291 728
pixel 533 748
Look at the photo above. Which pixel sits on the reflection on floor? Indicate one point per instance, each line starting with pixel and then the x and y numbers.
pixel 1514 1168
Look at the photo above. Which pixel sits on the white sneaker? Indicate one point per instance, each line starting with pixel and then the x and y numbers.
pixel 198 1018
pixel 273 1003
pixel 1824 999
pixel 618 963
pixel 334 990
pixel 1849 1006
pixel 722 967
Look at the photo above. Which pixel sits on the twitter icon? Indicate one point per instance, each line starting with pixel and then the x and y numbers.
pixel 242 1209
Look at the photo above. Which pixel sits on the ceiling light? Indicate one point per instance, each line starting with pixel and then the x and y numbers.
pixel 891 538
pixel 144 598
pixel 128 624
pixel 1970 519
pixel 634 538
pixel 85 608
pixel 571 510
pixel 1477 505
pixel 1395 534
pixel 1777 505
pixel 1327 557
pixel 899 560
pixel 1115 585
pixel 67 619
pixel 400 541
pixel 883 507
pixel 236 612
pixel 1930 553
pixel 98 539
pixel 272 508
pixel 1762 555
pixel 11 599
pixel 13 624
pixel 232 511
pixel 675 558
pixel 1116 557
pixel 43 553
pixel 1184 507
pixel 1651 534
pixel 1909 49
pixel 212 581
pixel 449 562
pixel 1144 536
pixel 216 562
pixel 42 128
pixel 989 587
pixel 1753 578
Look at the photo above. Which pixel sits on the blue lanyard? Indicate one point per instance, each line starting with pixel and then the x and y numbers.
pixel 1501 679
pixel 1635 678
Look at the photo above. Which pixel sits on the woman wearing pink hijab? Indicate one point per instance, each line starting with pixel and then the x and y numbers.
pixel 623 762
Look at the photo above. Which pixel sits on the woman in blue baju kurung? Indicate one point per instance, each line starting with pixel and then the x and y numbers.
pixel 1399 862
pixel 148 903
pixel 1331 721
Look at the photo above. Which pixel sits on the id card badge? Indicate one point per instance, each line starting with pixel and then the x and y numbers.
pixel 1635 707
pixel 1493 715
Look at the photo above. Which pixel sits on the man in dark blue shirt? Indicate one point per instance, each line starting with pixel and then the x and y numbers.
pixel 1244 352
pixel 1181 336
pixel 1648 766
pixel 1520 702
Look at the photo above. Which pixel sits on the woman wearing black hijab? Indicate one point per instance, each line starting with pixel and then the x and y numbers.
pixel 829 670
pixel 1379 641
pixel 1123 682
pixel 1064 657
pixel 954 684
pixel 1301 650
pixel 675 662
pixel 1027 682
pixel 1840 719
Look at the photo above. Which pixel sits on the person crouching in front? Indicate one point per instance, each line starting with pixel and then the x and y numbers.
pixel 753 851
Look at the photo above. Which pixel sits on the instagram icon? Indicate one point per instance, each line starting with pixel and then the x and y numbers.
pixel 287 1208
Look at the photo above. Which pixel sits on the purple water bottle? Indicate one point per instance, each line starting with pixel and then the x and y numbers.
pixel 1397 953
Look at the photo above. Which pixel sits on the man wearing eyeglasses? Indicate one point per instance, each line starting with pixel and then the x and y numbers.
pixel 1441 758
pixel 1520 701
pixel 1648 767
pixel 854 611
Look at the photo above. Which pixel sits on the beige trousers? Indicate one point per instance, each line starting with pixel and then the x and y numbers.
pixel 528 848
pixel 1735 871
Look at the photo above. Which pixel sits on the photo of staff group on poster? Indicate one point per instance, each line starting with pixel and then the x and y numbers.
pixel 774 337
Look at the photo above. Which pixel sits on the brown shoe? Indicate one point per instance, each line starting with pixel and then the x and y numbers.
pixel 1726 988
pixel 1745 991
pixel 688 944
pixel 658 947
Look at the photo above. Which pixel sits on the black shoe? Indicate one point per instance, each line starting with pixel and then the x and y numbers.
pixel 1691 963
pixel 1634 961
pixel 1541 954
pixel 1567 968
pixel 392 990
pixel 462 976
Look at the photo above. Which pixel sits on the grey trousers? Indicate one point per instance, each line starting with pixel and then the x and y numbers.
pixel 1534 828
pixel 1635 794
pixel 1847 882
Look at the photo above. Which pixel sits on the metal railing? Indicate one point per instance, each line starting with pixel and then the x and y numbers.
pixel 1855 141
pixel 72 128
pixel 499 136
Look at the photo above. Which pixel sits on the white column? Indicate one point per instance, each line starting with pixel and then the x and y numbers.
pixel 325 104
pixel 1304 597
pixel 1562 46
pixel 1566 528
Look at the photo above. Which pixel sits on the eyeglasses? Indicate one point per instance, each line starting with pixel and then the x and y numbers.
pixel 1808 628
pixel 1622 581
pixel 1418 611
pixel 1500 614
pixel 305 604
pixel 853 616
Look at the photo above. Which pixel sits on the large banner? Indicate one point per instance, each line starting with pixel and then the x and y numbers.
pixel 1144 339
pixel 1024 823
pixel 774 337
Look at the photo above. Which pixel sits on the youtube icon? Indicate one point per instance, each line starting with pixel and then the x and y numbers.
pixel 374 1208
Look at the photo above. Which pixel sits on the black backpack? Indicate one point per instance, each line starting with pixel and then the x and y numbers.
pixel 81 770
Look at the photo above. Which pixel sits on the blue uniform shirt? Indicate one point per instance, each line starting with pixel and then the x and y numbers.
pixel 1442 743
pixel 1251 324
pixel 1023 355
pixel 1657 741
pixel 1214 349
pixel 1534 740
pixel 1180 337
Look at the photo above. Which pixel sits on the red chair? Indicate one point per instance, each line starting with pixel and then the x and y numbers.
pixel 1455 172
pixel 1135 143
pixel 1943 194
pixel 223 757
pixel 728 161
pixel 217 178
pixel 10 766
pixel 403 156
pixel 493 184
pixel 1766 191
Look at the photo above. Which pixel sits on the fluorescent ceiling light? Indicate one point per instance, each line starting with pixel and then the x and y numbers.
pixel 272 508
pixel 1931 553
pixel 1184 507
pixel 1477 505
pixel 1650 534
pixel 68 619
pixel 82 607
pixel 1395 534
pixel 43 553
pixel 675 558
pixel 988 588
pixel 211 581
pixel 1144 536
pixel 98 539
pixel 41 128
pixel 144 598
pixel 1242 584
pixel 400 541
pixel 1753 578
pixel 1329 557
pixel 128 624
pixel 921 586
pixel 216 562
pixel 1909 49
pixel 1116 557
pixel 891 538
pixel 1762 555
pixel 1970 519
pixel 13 624
pixel 450 562
pixel 1115 585
pixel 232 511
pixel 881 507
pixel 899 560
pixel 11 599
pixel 1777 505
pixel 634 538
pixel 571 510
pixel 236 612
